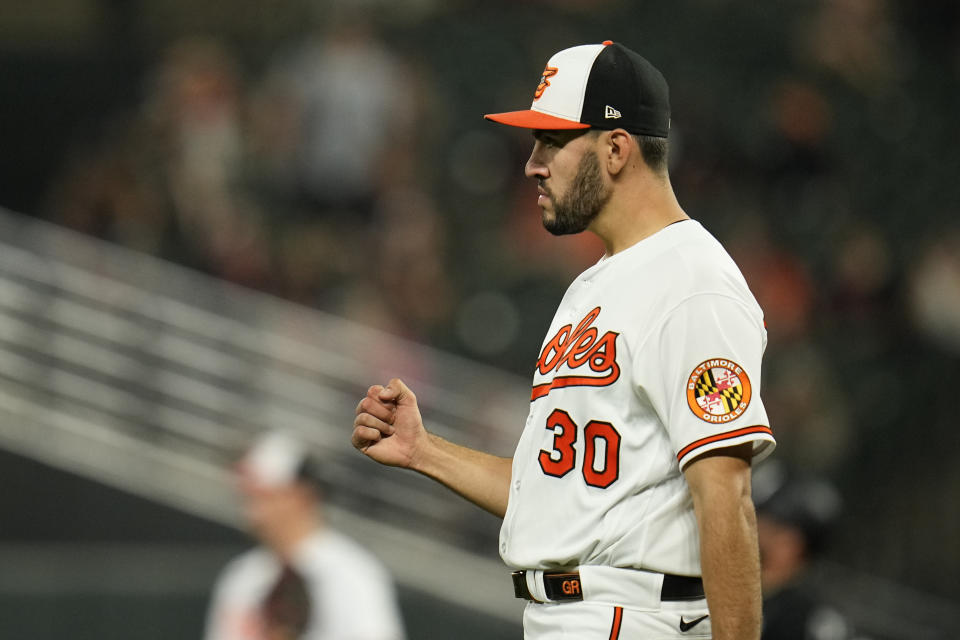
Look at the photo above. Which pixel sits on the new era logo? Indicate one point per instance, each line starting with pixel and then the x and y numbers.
pixel 609 112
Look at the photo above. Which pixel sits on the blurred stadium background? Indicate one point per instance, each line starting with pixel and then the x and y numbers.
pixel 222 216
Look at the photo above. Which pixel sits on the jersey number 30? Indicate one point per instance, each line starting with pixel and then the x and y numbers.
pixel 600 468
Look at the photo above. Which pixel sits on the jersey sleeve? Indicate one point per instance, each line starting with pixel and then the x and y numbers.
pixel 701 373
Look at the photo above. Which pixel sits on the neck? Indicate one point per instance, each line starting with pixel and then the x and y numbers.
pixel 637 209
pixel 286 539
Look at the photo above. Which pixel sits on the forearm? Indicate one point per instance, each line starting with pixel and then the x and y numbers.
pixel 481 478
pixel 731 570
pixel 729 555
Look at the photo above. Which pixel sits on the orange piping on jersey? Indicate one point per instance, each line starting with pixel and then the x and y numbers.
pixel 559 382
pixel 617 618
pixel 722 436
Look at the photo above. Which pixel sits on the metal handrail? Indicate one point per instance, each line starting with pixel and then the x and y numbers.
pixel 150 378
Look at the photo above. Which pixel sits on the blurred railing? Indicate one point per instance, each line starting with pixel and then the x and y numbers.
pixel 152 378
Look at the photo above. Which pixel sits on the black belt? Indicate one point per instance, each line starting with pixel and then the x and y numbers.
pixel 565 585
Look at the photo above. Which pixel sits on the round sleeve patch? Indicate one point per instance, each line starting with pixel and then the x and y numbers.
pixel 718 391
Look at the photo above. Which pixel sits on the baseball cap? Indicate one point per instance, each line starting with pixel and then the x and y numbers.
pixel 603 86
pixel 804 501
pixel 278 458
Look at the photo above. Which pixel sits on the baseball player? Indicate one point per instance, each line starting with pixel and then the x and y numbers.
pixel 796 515
pixel 305 581
pixel 626 507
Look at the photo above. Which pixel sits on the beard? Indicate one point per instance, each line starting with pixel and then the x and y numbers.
pixel 575 210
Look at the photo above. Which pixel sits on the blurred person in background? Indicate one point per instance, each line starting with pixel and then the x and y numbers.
pixel 356 108
pixel 304 581
pixel 332 138
pixel 795 517
pixel 168 178
pixel 332 120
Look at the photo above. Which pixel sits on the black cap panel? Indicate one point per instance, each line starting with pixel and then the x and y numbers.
pixel 625 91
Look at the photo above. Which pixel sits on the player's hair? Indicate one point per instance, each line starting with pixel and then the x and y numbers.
pixel 654 151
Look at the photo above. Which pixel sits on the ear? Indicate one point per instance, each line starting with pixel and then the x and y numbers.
pixel 618 147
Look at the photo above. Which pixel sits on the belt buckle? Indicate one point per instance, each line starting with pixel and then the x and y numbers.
pixel 520 589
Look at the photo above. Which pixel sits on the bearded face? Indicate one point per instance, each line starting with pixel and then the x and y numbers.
pixel 575 209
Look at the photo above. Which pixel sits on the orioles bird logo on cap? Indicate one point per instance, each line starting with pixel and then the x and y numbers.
pixel 548 72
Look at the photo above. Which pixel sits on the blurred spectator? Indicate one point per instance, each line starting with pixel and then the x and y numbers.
pixel 802 119
pixel 795 518
pixel 856 39
pixel 806 403
pixel 305 581
pixel 778 279
pixel 412 275
pixel 332 142
pixel 168 179
pixel 864 320
pixel 336 115
pixel 935 292
pixel 863 275
pixel 277 187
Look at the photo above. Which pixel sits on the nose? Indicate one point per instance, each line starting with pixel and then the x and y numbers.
pixel 535 167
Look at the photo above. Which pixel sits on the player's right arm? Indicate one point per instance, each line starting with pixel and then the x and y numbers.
pixel 719 482
pixel 389 429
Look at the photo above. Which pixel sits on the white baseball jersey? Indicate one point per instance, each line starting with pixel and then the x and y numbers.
pixel 652 359
pixel 351 594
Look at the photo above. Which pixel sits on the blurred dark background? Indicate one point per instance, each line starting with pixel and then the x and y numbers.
pixel 334 154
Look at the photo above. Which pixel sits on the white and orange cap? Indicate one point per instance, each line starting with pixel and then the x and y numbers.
pixel 601 86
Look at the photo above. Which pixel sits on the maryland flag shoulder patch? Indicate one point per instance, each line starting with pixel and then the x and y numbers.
pixel 718 391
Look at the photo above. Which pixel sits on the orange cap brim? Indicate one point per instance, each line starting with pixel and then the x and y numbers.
pixel 530 119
